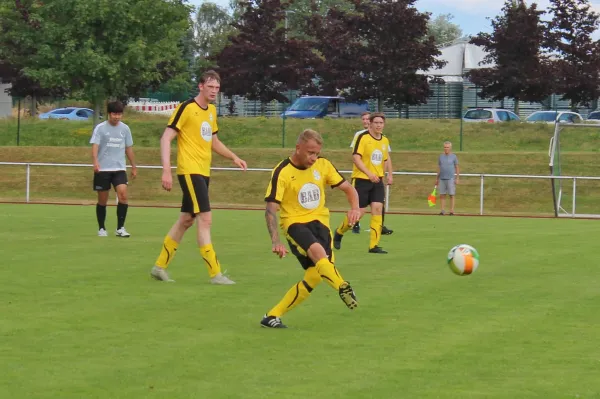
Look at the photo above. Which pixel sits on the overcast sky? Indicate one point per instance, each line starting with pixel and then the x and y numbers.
pixel 471 15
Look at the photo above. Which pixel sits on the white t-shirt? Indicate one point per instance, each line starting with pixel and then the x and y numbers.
pixel 358 134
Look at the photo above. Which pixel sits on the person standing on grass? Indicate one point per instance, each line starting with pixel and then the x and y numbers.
pixel 366 122
pixel 194 124
pixel 297 189
pixel 111 143
pixel 371 161
pixel 447 177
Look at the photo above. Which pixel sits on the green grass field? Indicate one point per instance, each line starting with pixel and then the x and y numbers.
pixel 81 318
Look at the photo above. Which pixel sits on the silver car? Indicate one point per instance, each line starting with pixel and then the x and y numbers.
pixel 594 117
pixel 554 116
pixel 490 115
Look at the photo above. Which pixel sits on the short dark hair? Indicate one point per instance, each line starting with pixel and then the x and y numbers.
pixel 365 113
pixel 115 107
pixel 206 76
pixel 377 115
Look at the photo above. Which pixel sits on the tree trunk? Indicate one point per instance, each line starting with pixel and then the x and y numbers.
pixel 98 102
pixel 379 104
pixel 33 106
pixel 516 109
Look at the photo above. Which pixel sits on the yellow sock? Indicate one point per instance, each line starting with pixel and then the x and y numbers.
pixel 375 236
pixel 344 227
pixel 329 273
pixel 297 294
pixel 167 253
pixel 210 257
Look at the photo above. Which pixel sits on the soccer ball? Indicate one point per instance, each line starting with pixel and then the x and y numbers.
pixel 463 259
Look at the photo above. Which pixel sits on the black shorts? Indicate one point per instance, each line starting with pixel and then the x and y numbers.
pixel 195 194
pixel 369 192
pixel 103 180
pixel 301 236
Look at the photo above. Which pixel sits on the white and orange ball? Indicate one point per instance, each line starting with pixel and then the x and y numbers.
pixel 463 259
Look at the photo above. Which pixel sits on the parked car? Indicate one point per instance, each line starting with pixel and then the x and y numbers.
pixel 490 115
pixel 69 113
pixel 594 117
pixel 554 116
pixel 322 106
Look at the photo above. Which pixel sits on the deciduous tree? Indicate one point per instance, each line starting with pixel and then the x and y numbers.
pixel 105 48
pixel 17 48
pixel 260 62
pixel 443 30
pixel 577 66
pixel 213 28
pixel 377 51
pixel 516 66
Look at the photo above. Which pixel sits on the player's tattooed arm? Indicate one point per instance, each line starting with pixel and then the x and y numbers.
pixel 271 217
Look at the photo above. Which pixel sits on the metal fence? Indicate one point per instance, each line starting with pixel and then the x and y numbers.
pixel 482 179
pixel 447 101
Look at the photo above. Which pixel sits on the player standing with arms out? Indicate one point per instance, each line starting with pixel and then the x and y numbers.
pixel 371 161
pixel 111 142
pixel 365 118
pixel 297 188
pixel 194 123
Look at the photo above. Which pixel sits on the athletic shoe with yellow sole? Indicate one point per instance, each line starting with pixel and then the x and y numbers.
pixel 347 295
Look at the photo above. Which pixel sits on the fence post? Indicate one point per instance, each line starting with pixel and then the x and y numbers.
pixel 481 196
pixel 27 179
pixel 283 132
pixel 574 189
pixel 19 121
pixel 387 196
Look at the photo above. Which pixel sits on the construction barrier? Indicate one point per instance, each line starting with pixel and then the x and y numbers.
pixel 153 107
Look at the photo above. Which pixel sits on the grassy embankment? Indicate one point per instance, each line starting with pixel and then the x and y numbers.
pixel 490 149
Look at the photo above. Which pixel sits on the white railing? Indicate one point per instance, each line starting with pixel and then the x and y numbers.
pixel 481 176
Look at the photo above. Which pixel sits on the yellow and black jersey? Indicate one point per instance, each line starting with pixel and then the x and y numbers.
pixel 301 191
pixel 195 126
pixel 374 152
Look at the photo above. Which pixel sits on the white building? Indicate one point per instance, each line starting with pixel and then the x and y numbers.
pixel 461 57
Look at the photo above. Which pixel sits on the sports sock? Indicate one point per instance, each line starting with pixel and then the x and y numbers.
pixel 375 236
pixel 344 227
pixel 329 273
pixel 121 214
pixel 101 216
pixel 210 257
pixel 167 253
pixel 297 294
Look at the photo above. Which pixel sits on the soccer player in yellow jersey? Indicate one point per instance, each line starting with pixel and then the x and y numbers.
pixel 371 160
pixel 194 123
pixel 297 189
pixel 366 121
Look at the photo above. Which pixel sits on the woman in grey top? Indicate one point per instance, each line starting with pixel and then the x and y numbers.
pixel 447 177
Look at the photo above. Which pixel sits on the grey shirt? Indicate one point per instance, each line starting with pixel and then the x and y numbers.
pixel 447 164
pixel 112 141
